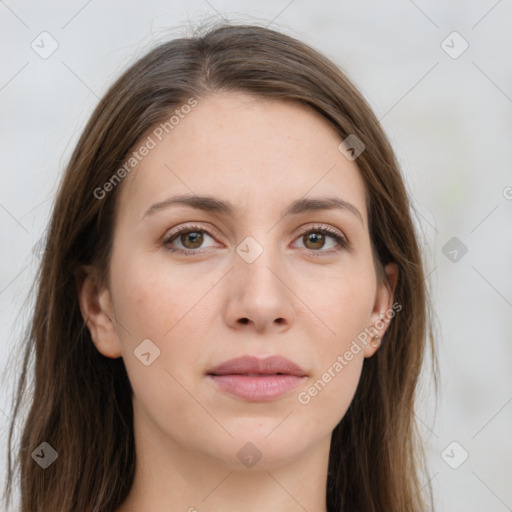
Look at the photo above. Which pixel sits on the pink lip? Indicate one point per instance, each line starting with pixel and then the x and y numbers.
pixel 257 379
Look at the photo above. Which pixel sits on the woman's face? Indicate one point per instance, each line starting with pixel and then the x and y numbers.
pixel 248 280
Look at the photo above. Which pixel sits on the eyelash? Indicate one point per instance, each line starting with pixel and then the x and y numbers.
pixel 340 239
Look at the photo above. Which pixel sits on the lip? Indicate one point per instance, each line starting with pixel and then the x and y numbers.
pixel 255 379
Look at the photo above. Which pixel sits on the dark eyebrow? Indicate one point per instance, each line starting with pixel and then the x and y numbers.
pixel 214 205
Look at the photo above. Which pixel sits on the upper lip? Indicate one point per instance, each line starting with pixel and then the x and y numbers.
pixel 253 365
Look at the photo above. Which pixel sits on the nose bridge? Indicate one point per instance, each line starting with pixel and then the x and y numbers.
pixel 257 290
pixel 259 261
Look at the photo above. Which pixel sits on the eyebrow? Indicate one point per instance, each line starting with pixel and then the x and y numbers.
pixel 214 205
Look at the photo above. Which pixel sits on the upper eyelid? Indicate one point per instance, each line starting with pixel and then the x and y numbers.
pixel 189 227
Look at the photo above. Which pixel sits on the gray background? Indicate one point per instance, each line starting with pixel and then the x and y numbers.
pixel 449 119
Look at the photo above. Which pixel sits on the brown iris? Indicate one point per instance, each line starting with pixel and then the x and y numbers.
pixel 318 240
pixel 196 238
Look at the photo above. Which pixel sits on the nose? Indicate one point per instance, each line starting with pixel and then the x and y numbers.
pixel 259 294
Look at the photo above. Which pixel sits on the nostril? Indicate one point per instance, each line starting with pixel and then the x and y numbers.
pixel 244 320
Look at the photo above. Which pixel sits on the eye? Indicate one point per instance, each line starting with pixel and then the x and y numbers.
pixel 316 237
pixel 190 237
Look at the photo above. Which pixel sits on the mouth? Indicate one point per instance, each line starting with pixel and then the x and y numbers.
pixel 257 380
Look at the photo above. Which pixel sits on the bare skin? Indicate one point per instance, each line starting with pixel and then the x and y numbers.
pixel 303 298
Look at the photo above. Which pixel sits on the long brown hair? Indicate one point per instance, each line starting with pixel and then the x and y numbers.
pixel 81 400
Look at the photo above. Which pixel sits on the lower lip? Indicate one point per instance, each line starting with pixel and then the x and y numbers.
pixel 262 388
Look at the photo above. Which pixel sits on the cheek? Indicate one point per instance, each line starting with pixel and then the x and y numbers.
pixel 167 308
pixel 152 301
pixel 345 305
pixel 343 301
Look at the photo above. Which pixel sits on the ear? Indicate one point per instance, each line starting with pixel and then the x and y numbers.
pixel 98 313
pixel 383 310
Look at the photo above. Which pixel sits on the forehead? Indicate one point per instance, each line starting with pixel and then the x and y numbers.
pixel 250 151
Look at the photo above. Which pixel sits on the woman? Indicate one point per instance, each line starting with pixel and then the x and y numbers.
pixel 231 310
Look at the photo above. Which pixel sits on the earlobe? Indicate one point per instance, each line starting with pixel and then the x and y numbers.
pixel 96 309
